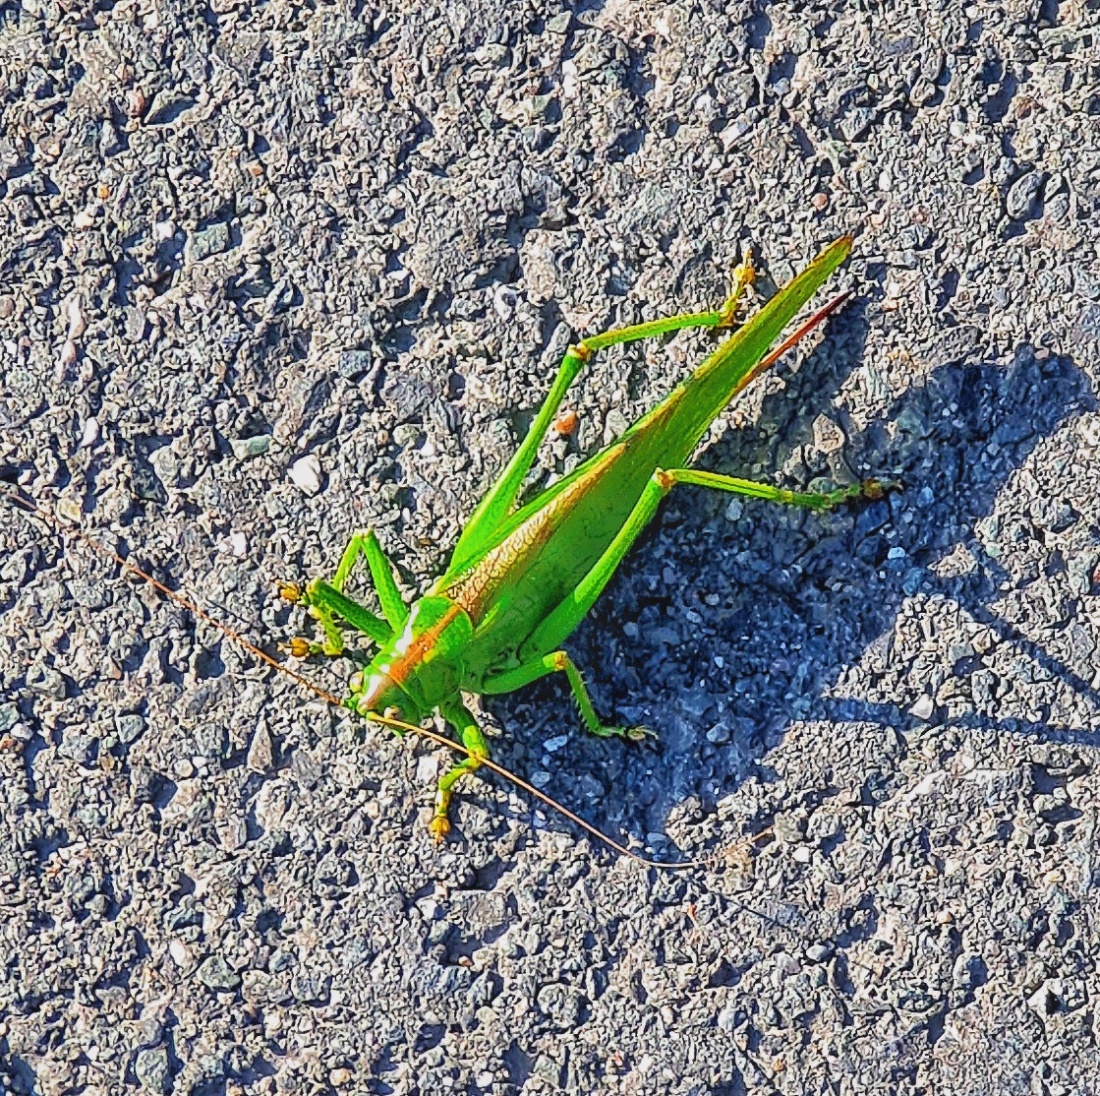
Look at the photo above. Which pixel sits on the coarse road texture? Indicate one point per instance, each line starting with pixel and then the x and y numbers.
pixel 272 272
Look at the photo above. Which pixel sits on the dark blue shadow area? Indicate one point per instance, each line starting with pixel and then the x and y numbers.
pixel 787 601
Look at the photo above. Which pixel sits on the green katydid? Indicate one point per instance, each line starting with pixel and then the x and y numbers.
pixel 522 579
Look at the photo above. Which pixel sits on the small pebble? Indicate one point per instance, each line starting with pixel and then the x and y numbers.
pixel 213 240
pixel 152 1068
pixel 217 974
pixel 427 769
pixel 180 953
pixel 566 423
pixel 246 448
pixel 129 727
pixel 77 323
pixel 1022 195
pixel 719 734
pixel 828 436
pixel 261 751
pixel 354 363
pixel 70 509
pixel 306 474
pixel 68 354
pixel 504 301
pixel 81 748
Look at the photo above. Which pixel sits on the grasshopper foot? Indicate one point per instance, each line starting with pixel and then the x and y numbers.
pixel 298 647
pixel 290 591
pixel 629 734
pixel 876 489
pixel 744 274
pixel 439 827
pixel 302 648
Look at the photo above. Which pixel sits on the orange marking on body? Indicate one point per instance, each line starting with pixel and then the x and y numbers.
pixel 399 669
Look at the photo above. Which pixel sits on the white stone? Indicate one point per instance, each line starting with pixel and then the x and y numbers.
pixel 77 324
pixel 306 474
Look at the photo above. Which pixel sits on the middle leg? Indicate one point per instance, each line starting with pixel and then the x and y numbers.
pixel 560 662
pixel 554 629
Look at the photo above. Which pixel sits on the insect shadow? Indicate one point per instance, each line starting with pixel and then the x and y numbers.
pixel 736 629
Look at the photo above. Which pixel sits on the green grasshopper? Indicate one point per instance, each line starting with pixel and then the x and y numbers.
pixel 521 580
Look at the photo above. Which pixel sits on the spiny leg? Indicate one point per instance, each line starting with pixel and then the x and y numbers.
pixel 811 500
pixel 565 618
pixel 498 502
pixel 743 275
pixel 364 542
pixel 326 601
pixel 560 662
pixel 457 714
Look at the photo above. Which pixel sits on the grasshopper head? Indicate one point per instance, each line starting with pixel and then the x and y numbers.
pixel 418 667
pixel 374 691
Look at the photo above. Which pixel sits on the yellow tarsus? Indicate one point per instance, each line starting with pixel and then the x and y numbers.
pixel 290 591
pixel 744 274
pixel 297 647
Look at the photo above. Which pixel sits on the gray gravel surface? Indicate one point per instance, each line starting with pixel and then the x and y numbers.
pixel 271 272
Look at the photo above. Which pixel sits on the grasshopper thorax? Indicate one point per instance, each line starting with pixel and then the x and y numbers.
pixel 419 666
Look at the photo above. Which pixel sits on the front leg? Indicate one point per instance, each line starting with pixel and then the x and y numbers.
pixel 458 716
pixel 365 543
pixel 326 601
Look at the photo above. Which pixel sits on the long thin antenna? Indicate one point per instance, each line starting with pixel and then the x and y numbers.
pixel 522 784
pixel 61 526
pixel 66 528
